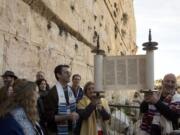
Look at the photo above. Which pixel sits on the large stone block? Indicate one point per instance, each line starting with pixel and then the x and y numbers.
pixel 38 28
pixel 67 12
pixel 69 44
pixel 19 21
pixel 49 59
pixel 5 15
pixel 22 58
pixel 53 40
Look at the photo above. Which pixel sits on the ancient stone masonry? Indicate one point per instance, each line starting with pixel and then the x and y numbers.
pixel 39 34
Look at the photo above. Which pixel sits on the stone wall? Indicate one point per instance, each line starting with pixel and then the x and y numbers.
pixel 40 34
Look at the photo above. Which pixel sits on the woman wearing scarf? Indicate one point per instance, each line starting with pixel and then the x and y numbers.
pixel 18 114
pixel 93 113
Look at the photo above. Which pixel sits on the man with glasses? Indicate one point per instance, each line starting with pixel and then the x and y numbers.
pixel 157 108
pixel 60 104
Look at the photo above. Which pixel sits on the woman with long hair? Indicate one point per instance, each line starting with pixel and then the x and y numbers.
pixel 43 86
pixel 43 89
pixel 20 109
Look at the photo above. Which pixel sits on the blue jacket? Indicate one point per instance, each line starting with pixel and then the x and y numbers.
pixel 9 126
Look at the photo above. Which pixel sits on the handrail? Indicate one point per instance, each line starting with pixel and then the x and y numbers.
pixel 123 106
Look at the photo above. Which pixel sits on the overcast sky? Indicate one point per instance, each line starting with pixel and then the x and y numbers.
pixel 163 17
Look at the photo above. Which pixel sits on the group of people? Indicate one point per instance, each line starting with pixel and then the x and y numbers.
pixel 33 108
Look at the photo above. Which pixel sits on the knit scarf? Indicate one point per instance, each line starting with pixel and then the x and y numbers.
pixel 154 117
pixel 64 108
pixel 21 117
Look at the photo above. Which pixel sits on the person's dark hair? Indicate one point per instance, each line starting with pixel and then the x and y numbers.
pixel 75 76
pixel 87 85
pixel 58 69
pixel 38 82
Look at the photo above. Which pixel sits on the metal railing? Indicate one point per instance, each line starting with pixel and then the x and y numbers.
pixel 122 119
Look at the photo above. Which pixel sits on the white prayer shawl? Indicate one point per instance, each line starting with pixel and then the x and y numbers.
pixel 63 108
pixel 166 126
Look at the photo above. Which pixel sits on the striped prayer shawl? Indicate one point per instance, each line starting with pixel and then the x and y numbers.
pixel 153 116
pixel 64 109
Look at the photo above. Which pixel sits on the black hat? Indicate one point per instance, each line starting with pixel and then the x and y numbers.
pixel 9 73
